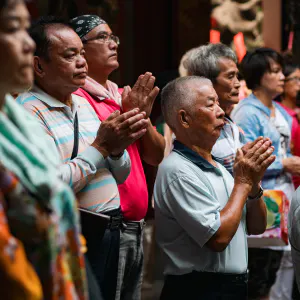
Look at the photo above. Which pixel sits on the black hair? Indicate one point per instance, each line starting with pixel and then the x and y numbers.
pixel 289 65
pixel 256 63
pixel 38 32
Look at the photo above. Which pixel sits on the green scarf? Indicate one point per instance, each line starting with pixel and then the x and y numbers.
pixel 24 151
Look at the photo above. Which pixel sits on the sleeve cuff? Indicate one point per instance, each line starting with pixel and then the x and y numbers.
pixel 119 162
pixel 212 230
pixel 94 156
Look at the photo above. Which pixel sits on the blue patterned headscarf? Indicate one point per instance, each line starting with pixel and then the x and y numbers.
pixel 84 24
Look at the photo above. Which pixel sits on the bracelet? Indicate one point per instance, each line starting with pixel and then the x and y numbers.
pixel 116 157
pixel 259 194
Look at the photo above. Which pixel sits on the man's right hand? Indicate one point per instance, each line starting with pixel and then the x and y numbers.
pixel 250 166
pixel 118 131
pixel 292 165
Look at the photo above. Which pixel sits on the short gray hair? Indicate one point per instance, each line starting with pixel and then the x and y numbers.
pixel 204 61
pixel 182 69
pixel 177 95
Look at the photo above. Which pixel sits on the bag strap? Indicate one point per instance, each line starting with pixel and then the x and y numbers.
pixel 76 137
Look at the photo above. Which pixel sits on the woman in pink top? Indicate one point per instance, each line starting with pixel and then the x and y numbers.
pixel 289 97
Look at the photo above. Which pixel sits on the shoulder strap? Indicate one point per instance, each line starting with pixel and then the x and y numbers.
pixel 76 138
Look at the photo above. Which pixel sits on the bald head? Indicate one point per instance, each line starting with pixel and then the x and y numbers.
pixel 180 94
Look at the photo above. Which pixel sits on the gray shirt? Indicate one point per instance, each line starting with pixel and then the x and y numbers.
pixel 294 233
pixel 189 194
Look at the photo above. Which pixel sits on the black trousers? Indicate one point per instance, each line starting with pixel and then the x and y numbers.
pixel 103 256
pixel 205 286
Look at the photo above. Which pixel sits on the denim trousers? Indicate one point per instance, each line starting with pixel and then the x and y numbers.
pixel 205 286
pixel 130 262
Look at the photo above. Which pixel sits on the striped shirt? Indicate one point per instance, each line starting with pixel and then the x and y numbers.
pixel 224 150
pixel 93 178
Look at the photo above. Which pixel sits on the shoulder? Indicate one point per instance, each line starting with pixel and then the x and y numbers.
pixel 177 172
pixel 175 165
pixel 28 99
pixel 283 111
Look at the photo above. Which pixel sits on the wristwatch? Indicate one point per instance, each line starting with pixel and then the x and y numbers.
pixel 116 157
pixel 259 194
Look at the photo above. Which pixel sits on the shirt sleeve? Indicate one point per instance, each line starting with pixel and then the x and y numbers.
pixel 120 168
pixel 194 208
pixel 294 233
pixel 77 172
pixel 251 127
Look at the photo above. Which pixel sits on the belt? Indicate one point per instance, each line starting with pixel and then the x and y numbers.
pixel 134 225
pixel 224 277
pixel 214 277
pixel 117 221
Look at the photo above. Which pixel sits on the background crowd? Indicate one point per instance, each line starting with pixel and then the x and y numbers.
pixel 73 191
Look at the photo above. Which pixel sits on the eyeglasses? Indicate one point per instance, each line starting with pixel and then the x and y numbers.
pixel 103 37
pixel 297 79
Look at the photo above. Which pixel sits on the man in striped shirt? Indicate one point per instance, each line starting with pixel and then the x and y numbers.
pixel 102 161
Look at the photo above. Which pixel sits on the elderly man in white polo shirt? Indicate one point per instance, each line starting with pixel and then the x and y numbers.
pixel 202 212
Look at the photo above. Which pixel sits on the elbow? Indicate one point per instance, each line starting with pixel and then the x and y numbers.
pixel 218 245
pixel 122 179
pixel 256 230
pixel 154 159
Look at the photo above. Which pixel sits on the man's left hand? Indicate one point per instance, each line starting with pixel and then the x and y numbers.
pixel 142 95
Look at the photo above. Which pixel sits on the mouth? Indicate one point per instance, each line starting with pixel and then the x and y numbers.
pixel 113 55
pixel 81 75
pixel 234 94
pixel 221 125
pixel 27 65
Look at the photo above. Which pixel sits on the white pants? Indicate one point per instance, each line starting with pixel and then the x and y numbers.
pixel 283 286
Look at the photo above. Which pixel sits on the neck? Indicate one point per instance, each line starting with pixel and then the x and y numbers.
pixel 60 94
pixel 226 108
pixel 289 102
pixel 203 150
pixel 264 97
pixel 100 77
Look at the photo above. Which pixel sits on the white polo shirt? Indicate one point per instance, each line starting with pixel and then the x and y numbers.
pixel 189 194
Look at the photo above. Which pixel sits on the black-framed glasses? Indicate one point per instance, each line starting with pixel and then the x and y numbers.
pixel 103 37
pixel 297 79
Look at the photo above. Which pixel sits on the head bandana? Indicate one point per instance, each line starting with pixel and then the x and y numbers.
pixel 84 24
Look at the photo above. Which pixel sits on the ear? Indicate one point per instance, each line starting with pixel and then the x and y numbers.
pixel 184 118
pixel 38 67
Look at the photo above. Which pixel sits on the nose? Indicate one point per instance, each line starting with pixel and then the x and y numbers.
pixel 282 77
pixel 29 44
pixel 81 62
pixel 220 112
pixel 112 45
pixel 237 83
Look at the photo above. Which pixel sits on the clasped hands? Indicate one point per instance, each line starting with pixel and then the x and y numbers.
pixel 120 130
pixel 251 162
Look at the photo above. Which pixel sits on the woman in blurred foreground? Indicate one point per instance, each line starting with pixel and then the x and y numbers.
pixel 40 250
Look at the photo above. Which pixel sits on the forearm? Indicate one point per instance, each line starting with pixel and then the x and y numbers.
pixel 256 216
pixel 230 217
pixel 152 146
pixel 78 172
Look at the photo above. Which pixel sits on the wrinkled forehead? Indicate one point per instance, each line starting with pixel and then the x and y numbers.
pixel 63 38
pixel 227 65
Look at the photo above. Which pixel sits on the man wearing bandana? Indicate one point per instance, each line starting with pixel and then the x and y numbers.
pixel 101 54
